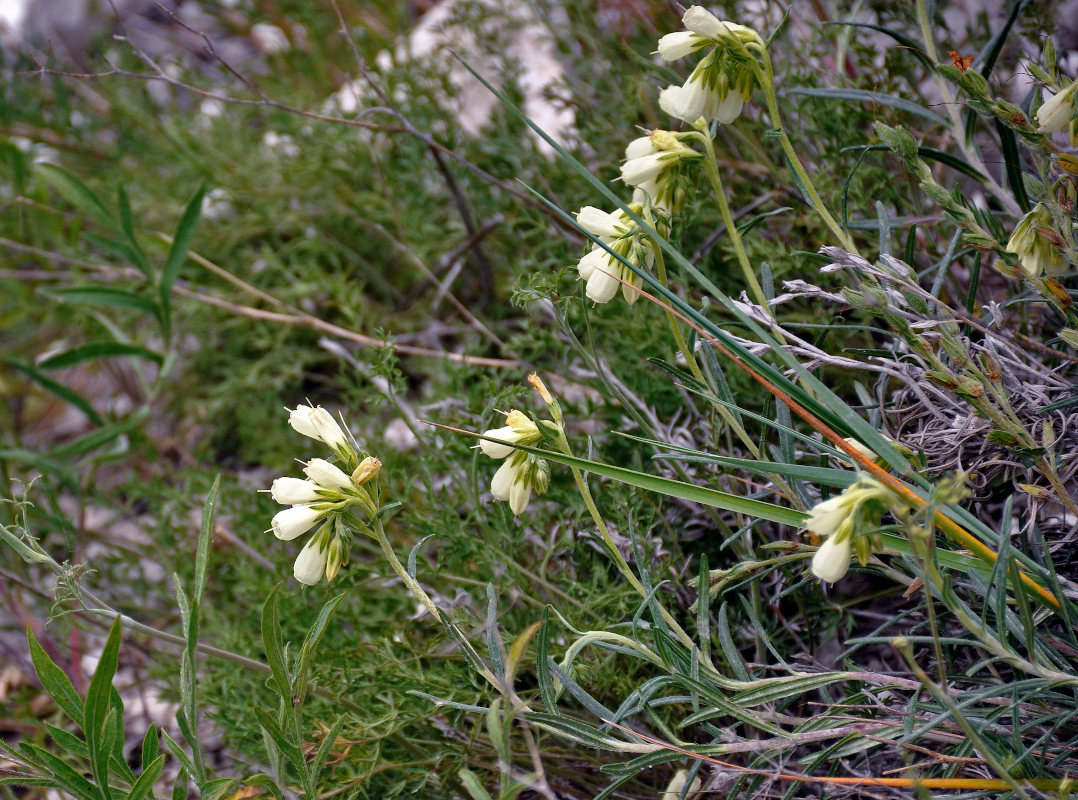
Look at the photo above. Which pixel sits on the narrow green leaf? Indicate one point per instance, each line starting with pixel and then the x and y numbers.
pixel 264 782
pixel 76 355
pixel 310 642
pixel 729 649
pixel 542 668
pixel 179 788
pixel 204 539
pixel 127 226
pixel 287 748
pixel 63 775
pixel 472 785
pixel 173 747
pixel 583 734
pixel 144 785
pixel 55 681
pixel 100 437
pixel 67 741
pixel 150 746
pixel 271 641
pixel 1012 165
pixel 104 297
pixel 874 98
pixel 324 749
pixel 66 394
pixel 494 645
pixel 76 192
pixel 758 509
pixel 986 58
pixel 177 253
pixel 98 702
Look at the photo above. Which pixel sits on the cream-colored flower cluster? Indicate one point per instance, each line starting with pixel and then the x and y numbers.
pixel 323 497
pixel 604 272
pixel 723 80
pixel 1037 244
pixel 520 473
pixel 848 521
pixel 657 166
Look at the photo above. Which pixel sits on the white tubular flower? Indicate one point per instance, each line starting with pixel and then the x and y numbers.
pixel 723 80
pixel 703 23
pixel 294 521
pixel 603 283
pixel 497 449
pixel 311 562
pixel 519 428
pixel 592 260
pixel 644 168
pixel 832 559
pixel 519 496
pixel 520 474
pixel 1056 112
pixel 640 147
pixel 293 491
pixel 317 423
pixel 686 103
pixel 729 108
pixel 599 223
pixel 327 475
pixel 826 518
pixel 501 485
pixel 675 46
pixel 1035 250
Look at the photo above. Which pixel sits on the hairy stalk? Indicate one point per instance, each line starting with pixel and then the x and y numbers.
pixel 679 337
pixel 954 112
pixel 614 553
pixel 766 80
pixel 712 168
pixel 904 647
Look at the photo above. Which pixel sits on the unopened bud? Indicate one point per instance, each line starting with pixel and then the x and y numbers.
pixel 1070 337
pixel 1068 163
pixel 990 367
pixel 1058 293
pixel 539 386
pixel 1038 492
pixel 366 470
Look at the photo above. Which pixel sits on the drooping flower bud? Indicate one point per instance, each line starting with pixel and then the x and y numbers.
pixel 311 562
pixel 1056 112
pixel 832 559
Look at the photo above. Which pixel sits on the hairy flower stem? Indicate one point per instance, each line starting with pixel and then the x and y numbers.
pixel 421 595
pixel 611 547
pixel 724 412
pixel 766 78
pixel 679 337
pixel 712 168
pixel 903 646
pixel 954 112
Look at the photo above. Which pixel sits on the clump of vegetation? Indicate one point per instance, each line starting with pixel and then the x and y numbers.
pixel 749 470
